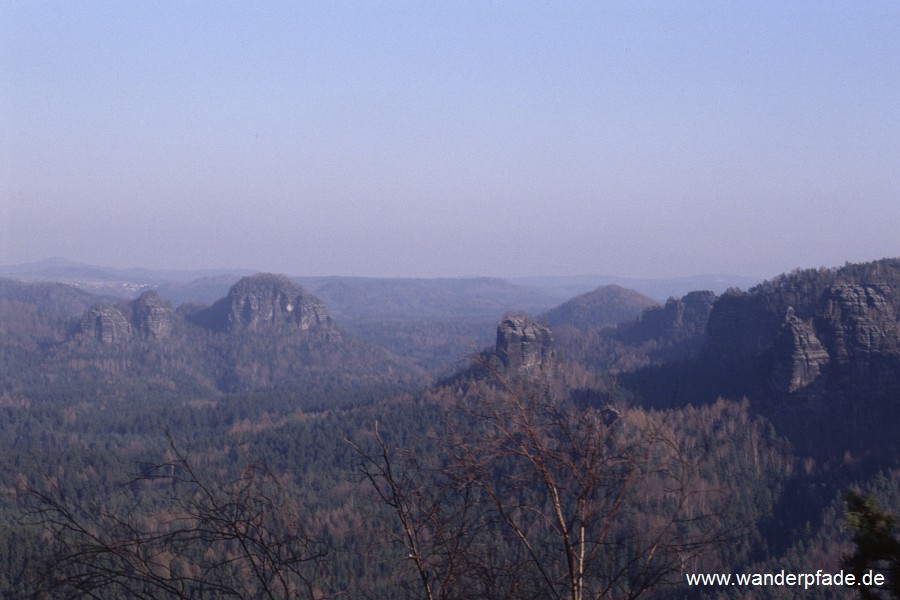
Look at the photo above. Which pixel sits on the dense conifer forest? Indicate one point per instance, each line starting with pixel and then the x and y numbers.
pixel 256 448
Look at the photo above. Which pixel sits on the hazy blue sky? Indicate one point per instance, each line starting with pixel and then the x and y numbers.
pixel 452 138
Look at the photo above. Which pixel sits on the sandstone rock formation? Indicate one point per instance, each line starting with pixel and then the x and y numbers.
pixel 799 357
pixel 146 317
pixel 266 333
pixel 151 317
pixel 850 337
pixel 106 324
pixel 862 334
pixel 524 345
pixel 690 314
pixel 681 318
pixel 268 303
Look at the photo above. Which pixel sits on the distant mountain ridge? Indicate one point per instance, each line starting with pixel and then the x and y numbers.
pixel 478 297
pixel 533 294
pixel 658 289
pixel 58 268
pixel 109 281
pixel 53 299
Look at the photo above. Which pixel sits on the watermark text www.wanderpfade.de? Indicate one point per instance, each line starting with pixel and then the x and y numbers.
pixel 786 579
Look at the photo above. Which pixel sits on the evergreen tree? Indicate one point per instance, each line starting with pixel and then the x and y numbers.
pixel 877 545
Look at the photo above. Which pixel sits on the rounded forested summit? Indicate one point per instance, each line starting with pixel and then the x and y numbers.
pixel 606 306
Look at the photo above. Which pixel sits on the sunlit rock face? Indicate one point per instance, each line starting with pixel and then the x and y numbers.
pixel 799 356
pixel 523 344
pixel 268 303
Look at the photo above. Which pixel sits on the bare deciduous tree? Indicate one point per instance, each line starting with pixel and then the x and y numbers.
pixel 529 495
pixel 240 539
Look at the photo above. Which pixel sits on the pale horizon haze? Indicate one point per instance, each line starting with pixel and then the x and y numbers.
pixel 420 139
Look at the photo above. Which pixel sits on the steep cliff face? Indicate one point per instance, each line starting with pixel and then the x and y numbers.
pixel 524 345
pixel 268 303
pixel 742 325
pixel 151 317
pixel 798 356
pixel 679 319
pixel 691 313
pixel 848 340
pixel 862 334
pixel 106 324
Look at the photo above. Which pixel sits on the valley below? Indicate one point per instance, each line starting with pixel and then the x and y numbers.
pixel 236 434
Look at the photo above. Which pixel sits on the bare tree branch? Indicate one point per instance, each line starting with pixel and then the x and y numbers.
pixel 237 539
pixel 578 505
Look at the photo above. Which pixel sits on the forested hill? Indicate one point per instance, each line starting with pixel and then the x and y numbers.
pixel 54 300
pixel 606 306
pixel 268 332
pixel 817 350
pixel 154 451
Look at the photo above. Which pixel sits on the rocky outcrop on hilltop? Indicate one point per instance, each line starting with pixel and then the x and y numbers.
pixel 860 328
pixel 679 319
pixel 151 317
pixel 106 324
pixel 524 345
pixel 266 333
pixel 146 317
pixel 847 340
pixel 269 303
